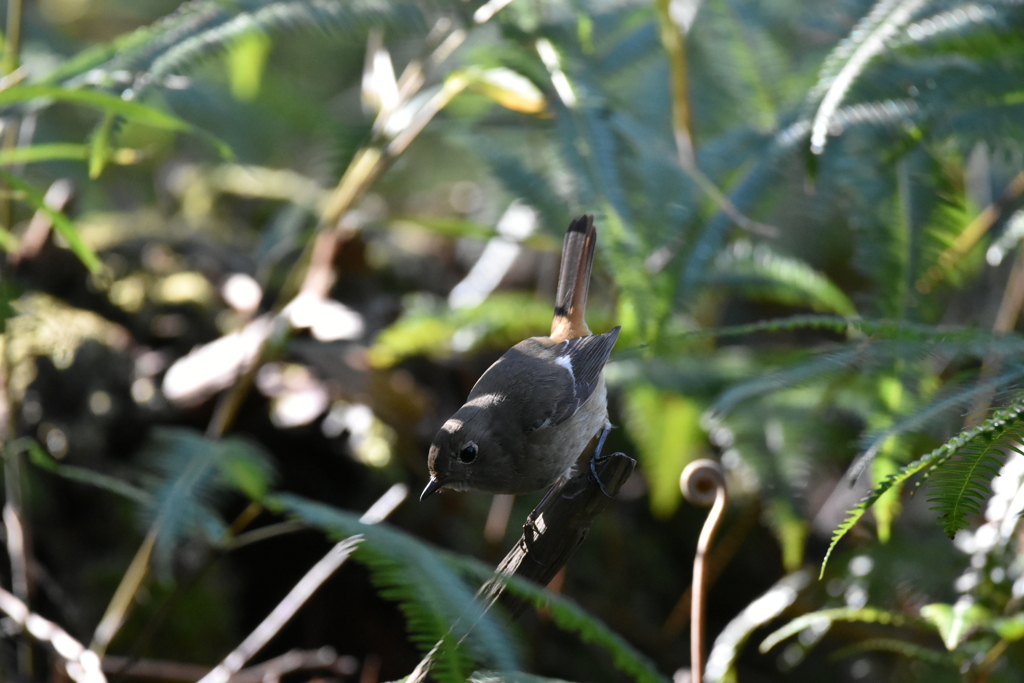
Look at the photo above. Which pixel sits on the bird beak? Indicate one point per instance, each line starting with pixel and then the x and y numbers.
pixel 432 486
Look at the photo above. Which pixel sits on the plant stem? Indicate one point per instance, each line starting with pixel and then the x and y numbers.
pixel 18 532
pixel 702 482
pixel 12 41
pixel 8 63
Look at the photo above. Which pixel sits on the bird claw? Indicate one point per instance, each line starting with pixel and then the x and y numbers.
pixel 594 477
pixel 530 531
pixel 598 457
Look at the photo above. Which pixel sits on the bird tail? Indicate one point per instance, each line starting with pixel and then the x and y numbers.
pixel 574 280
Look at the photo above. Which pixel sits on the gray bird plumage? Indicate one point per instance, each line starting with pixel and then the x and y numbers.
pixel 533 412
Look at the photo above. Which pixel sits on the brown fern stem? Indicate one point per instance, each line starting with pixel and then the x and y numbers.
pixel 702 483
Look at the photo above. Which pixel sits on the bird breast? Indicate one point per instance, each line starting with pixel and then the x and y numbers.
pixel 553 451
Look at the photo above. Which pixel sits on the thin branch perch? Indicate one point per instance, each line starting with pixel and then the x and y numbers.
pixel 559 530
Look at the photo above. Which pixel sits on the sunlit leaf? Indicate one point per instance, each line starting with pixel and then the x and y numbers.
pixel 247 59
pixel 823 619
pixel 956 622
pixel 666 427
pixel 111 105
pixel 61 223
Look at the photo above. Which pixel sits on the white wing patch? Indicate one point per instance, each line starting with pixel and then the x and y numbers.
pixel 485 400
pixel 566 363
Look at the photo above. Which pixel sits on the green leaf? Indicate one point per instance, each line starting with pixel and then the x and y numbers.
pixel 111 105
pixel 45 152
pixel 899 647
pixel 501 321
pixel 569 616
pixel 888 506
pixel 99 145
pixel 959 489
pixel 244 465
pixel 61 223
pixel 849 59
pixel 1010 628
pixel 790 529
pixel 642 300
pixel 823 619
pixel 437 604
pixel 761 273
pixel 956 622
pixel 721 665
pixel 666 427
pixel 82 475
pixel 105 102
pixel 963 487
pixel 61 151
pixel 247 59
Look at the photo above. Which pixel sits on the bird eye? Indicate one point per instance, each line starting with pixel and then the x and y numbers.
pixel 468 453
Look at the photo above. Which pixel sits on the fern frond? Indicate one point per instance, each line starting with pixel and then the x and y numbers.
pixel 761 272
pixel 746 66
pixel 640 45
pixel 963 487
pixel 664 199
pixel 766 173
pixel 932 192
pixel 895 339
pixel 721 665
pixel 197 30
pixel 569 616
pixel 531 186
pixel 705 244
pixel 832 323
pixel 826 617
pixel 942 408
pixel 902 648
pixel 193 471
pixel 588 145
pixel 818 368
pixel 952 23
pixel 82 475
pixel 848 61
pixel 184 492
pixel 641 311
pixel 866 356
pixel 887 113
pixel 435 601
pixel 510 677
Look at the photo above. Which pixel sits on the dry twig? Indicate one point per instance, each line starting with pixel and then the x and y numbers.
pixel 301 592
pixel 81 664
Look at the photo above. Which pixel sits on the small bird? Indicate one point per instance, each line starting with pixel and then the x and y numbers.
pixel 533 412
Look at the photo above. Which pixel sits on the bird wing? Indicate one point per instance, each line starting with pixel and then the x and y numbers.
pixel 585 358
pixel 540 383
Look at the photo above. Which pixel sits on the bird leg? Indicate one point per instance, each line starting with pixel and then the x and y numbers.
pixel 597 457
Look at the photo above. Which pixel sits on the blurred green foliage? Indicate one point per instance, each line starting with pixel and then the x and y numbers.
pixel 248 244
